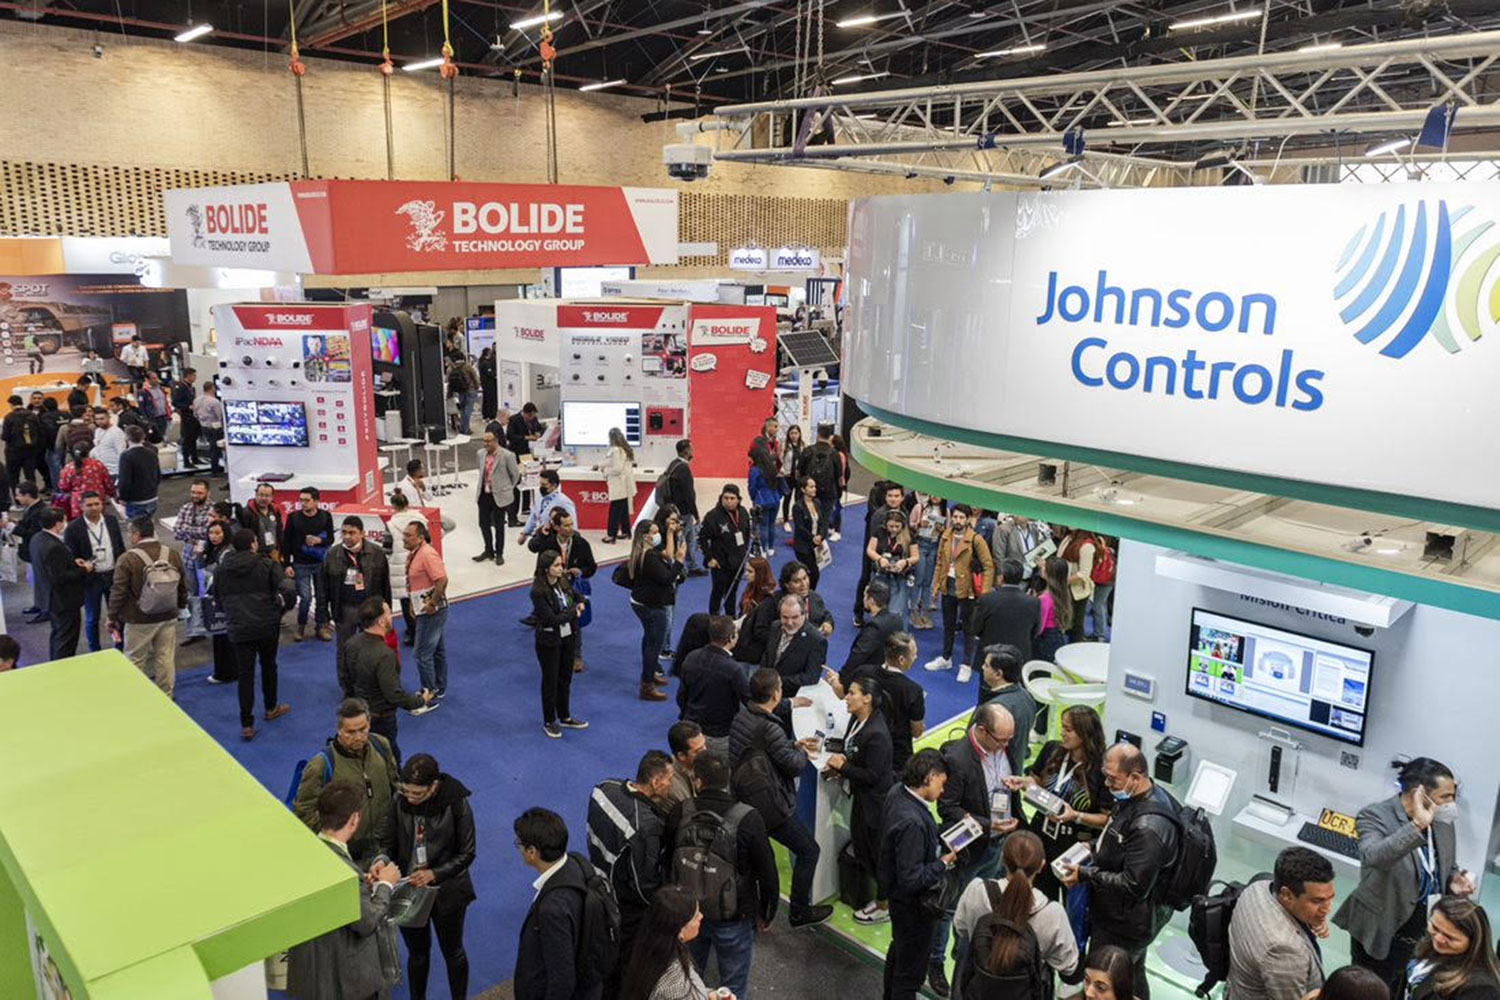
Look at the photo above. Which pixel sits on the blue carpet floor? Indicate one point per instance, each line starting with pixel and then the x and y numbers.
pixel 488 732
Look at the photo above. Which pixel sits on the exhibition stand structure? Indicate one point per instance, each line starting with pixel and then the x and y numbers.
pixel 153 866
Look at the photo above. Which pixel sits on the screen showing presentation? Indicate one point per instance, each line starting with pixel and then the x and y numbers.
pixel 1313 684
pixel 277 424
pixel 385 345
pixel 586 423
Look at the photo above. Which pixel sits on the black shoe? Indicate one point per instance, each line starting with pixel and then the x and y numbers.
pixel 409 641
pixel 499 560
pixel 483 556
pixel 550 728
pixel 572 723
pixel 31 611
pixel 192 639
pixel 38 620
pixel 937 979
pixel 807 916
pixel 697 572
pixel 529 621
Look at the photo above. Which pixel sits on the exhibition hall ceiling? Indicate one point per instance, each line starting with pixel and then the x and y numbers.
pixel 702 54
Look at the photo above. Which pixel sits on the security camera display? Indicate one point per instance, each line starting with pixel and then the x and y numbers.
pixel 1313 684
pixel 586 423
pixel 281 425
pixel 664 355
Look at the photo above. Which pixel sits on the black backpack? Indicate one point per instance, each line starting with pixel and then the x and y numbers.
pixel 703 858
pixel 1208 927
pixel 599 930
pixel 819 467
pixel 758 784
pixel 1192 870
pixel 663 491
pixel 1026 979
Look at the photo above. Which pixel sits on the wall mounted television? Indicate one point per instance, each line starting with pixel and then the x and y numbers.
pixel 278 425
pixel 1313 684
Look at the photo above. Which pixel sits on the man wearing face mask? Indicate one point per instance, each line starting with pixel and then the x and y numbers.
pixel 1406 855
pixel 1131 857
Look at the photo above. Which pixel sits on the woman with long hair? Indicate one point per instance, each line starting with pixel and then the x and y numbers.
pixel 842 461
pixel 791 452
pixel 808 529
pixel 620 479
pixel 1079 548
pixel 1456 960
pixel 926 520
pixel 488 384
pixel 556 608
pixel 432 841
pixel 760 584
pixel 660 967
pixel 1353 982
pixel 1108 974
pixel 226 667
pixel 1057 609
pixel 866 764
pixel 396 555
pixel 1072 769
pixel 652 574
pixel 724 537
pixel 78 477
pixel 894 558
pixel 997 949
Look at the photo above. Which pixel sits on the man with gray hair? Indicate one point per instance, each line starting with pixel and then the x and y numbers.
pixel 797 651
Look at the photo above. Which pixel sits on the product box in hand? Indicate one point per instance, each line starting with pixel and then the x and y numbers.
pixel 1074 857
pixel 963 833
pixel 1047 802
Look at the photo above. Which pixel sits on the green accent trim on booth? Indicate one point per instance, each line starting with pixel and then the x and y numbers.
pixel 1399 505
pixel 1422 590
pixel 148 858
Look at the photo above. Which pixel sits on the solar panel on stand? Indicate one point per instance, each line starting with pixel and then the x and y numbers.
pixel 808 349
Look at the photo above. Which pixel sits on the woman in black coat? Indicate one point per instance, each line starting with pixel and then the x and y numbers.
pixel 488 401
pixel 555 608
pixel 866 765
pixel 808 529
pixel 1072 768
pixel 652 574
pixel 226 667
pixel 432 840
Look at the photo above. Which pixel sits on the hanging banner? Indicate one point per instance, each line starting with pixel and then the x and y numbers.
pixel 368 227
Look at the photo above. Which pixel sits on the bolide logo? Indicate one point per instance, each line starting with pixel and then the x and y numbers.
pixel 1411 269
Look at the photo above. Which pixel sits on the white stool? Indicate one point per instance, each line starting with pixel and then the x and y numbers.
pixel 403 446
pixel 1040 681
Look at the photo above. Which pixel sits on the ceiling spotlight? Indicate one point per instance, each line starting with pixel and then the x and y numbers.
pixel 1324 47
pixel 1390 146
pixel 423 64
pixel 195 32
pixel 841 81
pixel 1204 22
pixel 602 85
pixel 705 30
pixel 1017 50
pixel 861 20
pixel 532 22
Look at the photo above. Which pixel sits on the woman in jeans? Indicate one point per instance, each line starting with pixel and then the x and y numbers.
pixel 791 452
pixel 432 840
pixel 1058 609
pixel 894 557
pixel 926 520
pixel 652 574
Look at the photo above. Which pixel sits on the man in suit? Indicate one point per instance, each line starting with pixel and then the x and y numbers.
pixel 1006 615
pixel 1273 950
pixel 65 583
pixel 345 962
pixel 978 766
pixel 759 629
pixel 879 625
pixel 95 538
pixel 713 685
pixel 499 475
pixel 547 959
pixel 798 651
pixel 1015 537
pixel 27 526
pixel 911 862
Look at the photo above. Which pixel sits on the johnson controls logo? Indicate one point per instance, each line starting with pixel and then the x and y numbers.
pixel 1413 273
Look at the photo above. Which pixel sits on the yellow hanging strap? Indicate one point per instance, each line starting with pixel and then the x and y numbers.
pixel 299 70
pixel 386 69
pixel 549 93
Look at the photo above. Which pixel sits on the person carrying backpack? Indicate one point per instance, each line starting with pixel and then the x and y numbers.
pixel 1010 938
pixel 361 758
pixel 1103 575
pixel 720 852
pixel 820 464
pixel 149 589
pixel 570 937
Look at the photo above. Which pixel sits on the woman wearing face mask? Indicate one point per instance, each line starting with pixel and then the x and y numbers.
pixel 1456 961
pixel 432 838
pixel 1406 848
pixel 1108 975
pixel 866 765
pixel 652 573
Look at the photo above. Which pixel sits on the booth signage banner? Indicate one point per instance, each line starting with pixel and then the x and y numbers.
pixel 779 259
pixel 1347 335
pixel 368 227
pixel 739 330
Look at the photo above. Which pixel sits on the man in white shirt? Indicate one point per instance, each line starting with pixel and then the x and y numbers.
pixel 109 442
pixel 95 538
pixel 415 484
pixel 136 360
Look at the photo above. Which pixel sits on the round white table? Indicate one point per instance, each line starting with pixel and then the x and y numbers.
pixel 1084 662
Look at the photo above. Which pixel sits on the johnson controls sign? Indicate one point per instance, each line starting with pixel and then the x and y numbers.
pixel 779 259
pixel 1332 334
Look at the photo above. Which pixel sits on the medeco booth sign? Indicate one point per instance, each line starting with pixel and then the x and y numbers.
pixel 367 227
pixel 1346 335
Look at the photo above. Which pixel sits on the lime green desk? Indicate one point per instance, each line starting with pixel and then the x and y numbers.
pixel 148 859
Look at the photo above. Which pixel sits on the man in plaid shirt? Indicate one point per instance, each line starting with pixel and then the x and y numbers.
pixel 191 529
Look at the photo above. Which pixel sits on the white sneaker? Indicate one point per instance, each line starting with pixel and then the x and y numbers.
pixel 834 536
pixel 965 672
pixel 786 526
pixel 424 709
pixel 938 663
pixel 871 914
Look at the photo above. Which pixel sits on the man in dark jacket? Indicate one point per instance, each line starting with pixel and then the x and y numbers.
pixel 65 581
pixel 1130 857
pixel 140 475
pixel 891 497
pixel 766 617
pixel 713 685
pixel 1006 615
pixel 682 493
pixel 182 401
pixel 547 959
pixel 248 588
pixel 911 862
pixel 757 729
pixel 1000 682
pixel 796 651
pixel 879 625
pixel 27 525
pixel 261 516
pixel 725 538
pixel 757 884
pixel 520 430
pixel 24 448
pixel 821 463
pixel 350 573
pixel 376 673
pixel 345 962
pixel 977 768
pixel 307 536
pixel 95 538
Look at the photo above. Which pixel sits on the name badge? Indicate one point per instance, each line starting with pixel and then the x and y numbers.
pixel 739 538
pixel 564 630
pixel 270 539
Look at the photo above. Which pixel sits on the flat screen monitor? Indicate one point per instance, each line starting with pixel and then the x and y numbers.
pixel 385 345
pixel 1313 684
pixel 587 282
pixel 586 423
pixel 281 425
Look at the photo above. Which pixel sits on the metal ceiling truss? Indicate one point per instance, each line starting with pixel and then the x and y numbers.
pixel 981 126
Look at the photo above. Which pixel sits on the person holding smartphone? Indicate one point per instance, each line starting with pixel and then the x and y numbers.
pixel 1406 856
